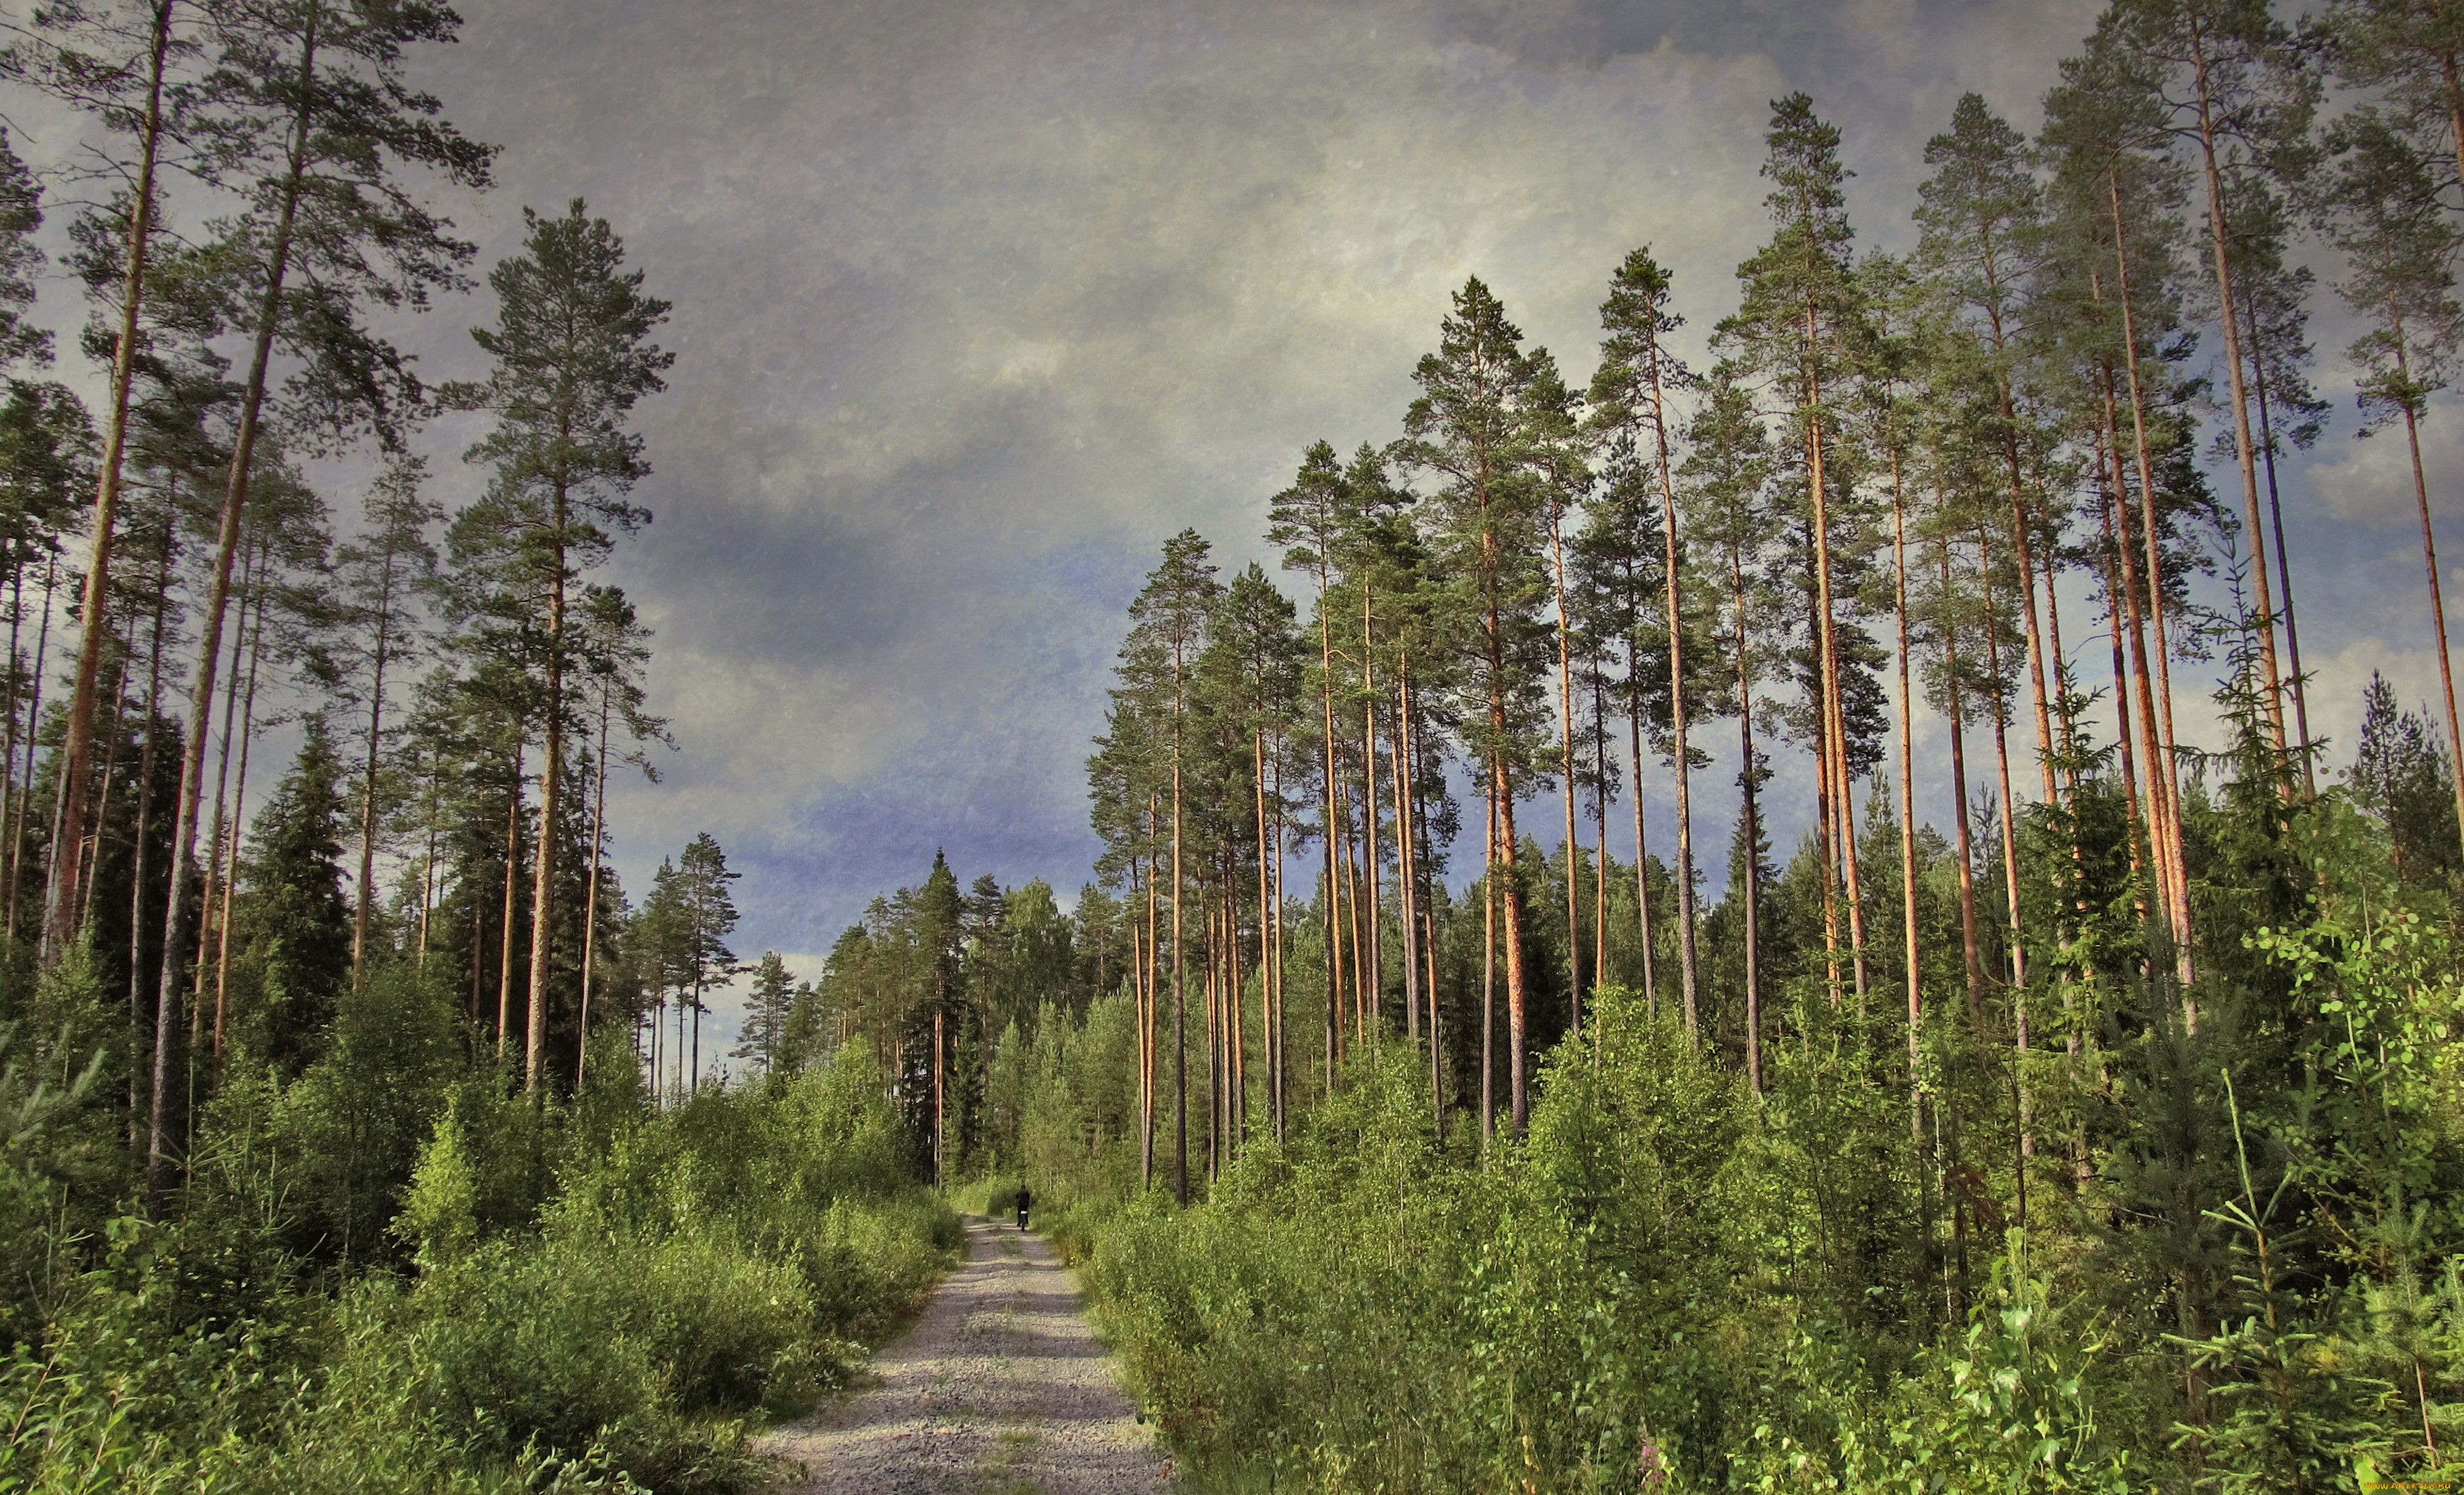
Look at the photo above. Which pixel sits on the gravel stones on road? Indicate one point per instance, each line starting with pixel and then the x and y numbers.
pixel 1000 1389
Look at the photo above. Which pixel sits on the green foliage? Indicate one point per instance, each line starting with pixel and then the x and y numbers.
pixel 590 1296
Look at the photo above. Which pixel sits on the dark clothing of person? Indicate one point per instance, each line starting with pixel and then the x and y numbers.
pixel 1022 1206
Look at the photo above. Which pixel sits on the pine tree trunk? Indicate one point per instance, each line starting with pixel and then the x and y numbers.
pixel 939 1131
pixel 1566 748
pixel 1688 962
pixel 1749 826
pixel 1407 800
pixel 1179 978
pixel 184 833
pixel 91 875
pixel 137 972
pixel 1276 1059
pixel 1348 906
pixel 505 945
pixel 1488 967
pixel 2010 882
pixel 368 775
pixel 79 744
pixel 239 819
pixel 1149 1097
pixel 1968 934
pixel 1834 718
pixel 1398 742
pixel 1643 868
pixel 10 812
pixel 34 745
pixel 1334 886
pixel 551 786
pixel 2164 769
pixel 2283 563
pixel 1909 951
pixel 216 904
pixel 590 890
pixel 427 869
pixel 2002 766
pixel 2123 610
pixel 1373 969
pixel 2022 541
pixel 2429 564
pixel 2244 453
pixel 1599 734
pixel 1517 1016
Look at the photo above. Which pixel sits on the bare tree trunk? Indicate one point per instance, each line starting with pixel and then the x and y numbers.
pixel 2122 605
pixel 1350 905
pixel 1599 734
pixel 939 1131
pixel 137 972
pixel 1333 884
pixel 2429 563
pixel 11 812
pixel 216 902
pixel 2244 453
pixel 1488 968
pixel 1749 826
pixel 368 775
pixel 427 868
pixel 238 821
pixel 1276 1057
pixel 1909 951
pixel 1688 965
pixel 505 945
pixel 1517 1016
pixel 33 746
pixel 1399 759
pixel 2164 769
pixel 1566 747
pixel 2010 881
pixel 184 834
pixel 1415 906
pixel 1968 935
pixel 2283 563
pixel 1180 977
pixel 590 890
pixel 1643 870
pixel 1372 968
pixel 79 744
pixel 93 873
pixel 1147 1024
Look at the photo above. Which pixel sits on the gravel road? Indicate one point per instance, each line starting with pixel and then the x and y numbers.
pixel 1001 1389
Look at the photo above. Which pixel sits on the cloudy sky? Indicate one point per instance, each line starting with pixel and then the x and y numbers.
pixel 975 303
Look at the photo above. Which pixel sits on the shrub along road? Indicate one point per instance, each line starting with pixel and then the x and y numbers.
pixel 1002 1386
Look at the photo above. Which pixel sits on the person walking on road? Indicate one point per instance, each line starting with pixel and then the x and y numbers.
pixel 1021 1204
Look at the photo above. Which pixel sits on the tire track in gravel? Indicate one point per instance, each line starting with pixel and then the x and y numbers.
pixel 1000 1389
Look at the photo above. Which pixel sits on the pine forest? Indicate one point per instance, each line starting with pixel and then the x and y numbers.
pixel 1929 1004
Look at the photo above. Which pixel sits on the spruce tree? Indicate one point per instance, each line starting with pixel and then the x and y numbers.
pixel 296 915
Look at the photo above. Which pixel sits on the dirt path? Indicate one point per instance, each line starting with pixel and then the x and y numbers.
pixel 1001 1389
